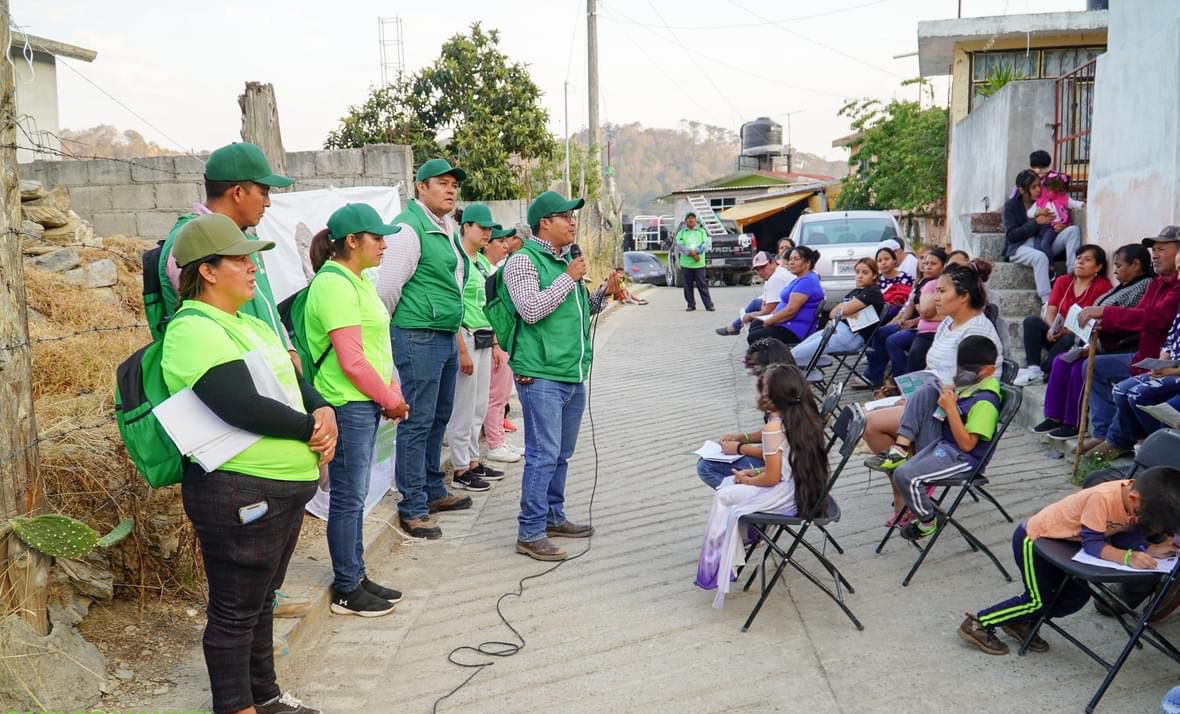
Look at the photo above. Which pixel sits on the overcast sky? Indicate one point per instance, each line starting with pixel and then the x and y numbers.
pixel 181 65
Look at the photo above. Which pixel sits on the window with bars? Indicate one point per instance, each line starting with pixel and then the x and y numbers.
pixel 718 204
pixel 1040 63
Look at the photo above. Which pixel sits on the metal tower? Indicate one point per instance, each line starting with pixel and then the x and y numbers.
pixel 393 56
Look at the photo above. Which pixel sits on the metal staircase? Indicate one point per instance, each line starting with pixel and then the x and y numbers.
pixel 707 216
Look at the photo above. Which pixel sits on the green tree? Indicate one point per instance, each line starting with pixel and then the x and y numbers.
pixel 472 106
pixel 900 160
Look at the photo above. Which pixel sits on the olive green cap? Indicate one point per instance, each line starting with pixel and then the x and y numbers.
pixel 480 214
pixel 213 234
pixel 503 233
pixel 439 167
pixel 549 203
pixel 358 218
pixel 243 162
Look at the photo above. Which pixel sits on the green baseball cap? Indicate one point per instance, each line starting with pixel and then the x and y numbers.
pixel 480 214
pixel 503 233
pixel 439 167
pixel 549 203
pixel 243 162
pixel 213 234
pixel 358 218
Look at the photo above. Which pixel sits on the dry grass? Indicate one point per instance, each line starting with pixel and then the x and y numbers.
pixel 85 473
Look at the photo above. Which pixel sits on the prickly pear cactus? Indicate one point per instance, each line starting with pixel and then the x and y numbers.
pixel 64 537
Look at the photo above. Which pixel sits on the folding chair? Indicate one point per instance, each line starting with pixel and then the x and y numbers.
pixel 830 401
pixel 825 338
pixel 840 360
pixel 849 428
pixel 970 481
pixel 1008 370
pixel 1098 581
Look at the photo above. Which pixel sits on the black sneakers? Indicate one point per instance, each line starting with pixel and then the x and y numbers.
pixel 359 602
pixel 1046 426
pixel 393 596
pixel 284 704
pixel 471 481
pixel 1064 433
pixel 487 473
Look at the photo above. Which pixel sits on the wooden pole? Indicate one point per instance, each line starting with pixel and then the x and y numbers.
pixel 260 123
pixel 1085 412
pixel 24 573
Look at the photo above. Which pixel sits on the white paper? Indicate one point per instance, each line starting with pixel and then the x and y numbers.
pixel 1165 412
pixel 867 317
pixel 711 451
pixel 1071 324
pixel 198 432
pixel 881 403
pixel 1162 565
pixel 266 383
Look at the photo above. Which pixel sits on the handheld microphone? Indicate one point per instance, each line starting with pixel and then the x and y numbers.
pixel 575 251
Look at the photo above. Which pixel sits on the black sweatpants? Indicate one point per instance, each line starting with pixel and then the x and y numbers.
pixel 695 277
pixel 1035 332
pixel 244 565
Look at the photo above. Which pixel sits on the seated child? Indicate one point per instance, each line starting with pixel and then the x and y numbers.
pixel 1120 521
pixel 794 478
pixel 1055 197
pixel 759 357
pixel 950 448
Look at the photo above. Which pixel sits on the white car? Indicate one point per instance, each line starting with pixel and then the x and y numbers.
pixel 842 238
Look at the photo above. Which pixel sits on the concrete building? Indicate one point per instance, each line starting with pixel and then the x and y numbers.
pixel 35 62
pixel 986 151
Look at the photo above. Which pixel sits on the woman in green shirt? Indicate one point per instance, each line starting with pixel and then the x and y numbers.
pixel 247 511
pixel 347 329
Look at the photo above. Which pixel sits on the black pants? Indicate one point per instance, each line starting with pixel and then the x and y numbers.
pixel 774 332
pixel 695 277
pixel 915 360
pixel 1035 332
pixel 244 565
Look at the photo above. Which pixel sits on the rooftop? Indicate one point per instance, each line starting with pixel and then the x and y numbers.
pixel 752 179
pixel 937 38
pixel 53 47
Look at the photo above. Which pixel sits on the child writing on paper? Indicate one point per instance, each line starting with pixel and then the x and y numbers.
pixel 1129 521
pixel 850 335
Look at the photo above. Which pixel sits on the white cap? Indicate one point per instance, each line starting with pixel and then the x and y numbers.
pixel 889 243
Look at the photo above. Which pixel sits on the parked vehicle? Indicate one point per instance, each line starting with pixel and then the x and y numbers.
pixel 641 267
pixel 842 238
pixel 730 257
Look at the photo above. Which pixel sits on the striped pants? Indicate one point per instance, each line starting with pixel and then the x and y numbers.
pixel 1041 579
pixel 938 464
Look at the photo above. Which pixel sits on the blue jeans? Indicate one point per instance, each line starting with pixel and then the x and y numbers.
pixel 842 340
pixel 877 356
pixel 712 472
pixel 1131 423
pixel 754 306
pixel 427 361
pixel 1109 370
pixel 348 476
pixel 552 416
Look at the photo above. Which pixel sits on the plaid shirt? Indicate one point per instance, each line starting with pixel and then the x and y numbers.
pixel 524 285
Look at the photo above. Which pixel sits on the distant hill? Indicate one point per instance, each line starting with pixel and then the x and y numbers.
pixel 651 162
pixel 106 142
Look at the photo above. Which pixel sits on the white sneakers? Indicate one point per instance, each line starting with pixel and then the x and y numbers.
pixel 1028 375
pixel 504 453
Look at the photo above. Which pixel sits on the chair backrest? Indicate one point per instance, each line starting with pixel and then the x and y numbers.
pixel 829 330
pixel 849 427
pixel 830 401
pixel 992 312
pixel 1009 408
pixel 1161 448
pixel 1008 370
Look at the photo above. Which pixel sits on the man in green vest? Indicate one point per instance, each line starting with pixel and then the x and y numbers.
pixel 238 180
pixel 421 279
pixel 691 244
pixel 551 355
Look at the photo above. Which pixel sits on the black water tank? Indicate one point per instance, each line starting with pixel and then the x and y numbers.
pixel 762 137
pixel 1097 4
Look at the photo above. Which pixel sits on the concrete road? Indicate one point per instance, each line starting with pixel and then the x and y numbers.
pixel 623 629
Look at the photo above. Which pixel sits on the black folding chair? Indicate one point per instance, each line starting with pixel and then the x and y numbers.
pixel 840 360
pixel 831 400
pixel 1099 581
pixel 1008 371
pixel 825 338
pixel 969 481
pixel 849 428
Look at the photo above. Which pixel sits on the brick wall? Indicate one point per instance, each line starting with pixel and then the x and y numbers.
pixel 143 197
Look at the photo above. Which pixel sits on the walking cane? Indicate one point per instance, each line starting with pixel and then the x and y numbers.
pixel 1077 454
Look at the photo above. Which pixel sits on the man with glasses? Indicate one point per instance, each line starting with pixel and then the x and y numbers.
pixel 551 354
pixel 421 281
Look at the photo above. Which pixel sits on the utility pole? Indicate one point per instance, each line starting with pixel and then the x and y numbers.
pixel 24 573
pixel 594 223
pixel 566 122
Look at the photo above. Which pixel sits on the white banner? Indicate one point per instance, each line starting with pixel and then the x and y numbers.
pixel 291 221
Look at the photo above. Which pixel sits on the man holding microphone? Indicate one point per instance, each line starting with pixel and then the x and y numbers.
pixel 551 354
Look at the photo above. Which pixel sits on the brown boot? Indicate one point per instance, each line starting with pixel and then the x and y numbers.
pixel 449 502
pixel 974 633
pixel 569 529
pixel 1019 630
pixel 543 549
pixel 423 527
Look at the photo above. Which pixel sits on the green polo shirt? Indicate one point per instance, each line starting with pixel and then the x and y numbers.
pixel 340 298
pixel 692 239
pixel 193 345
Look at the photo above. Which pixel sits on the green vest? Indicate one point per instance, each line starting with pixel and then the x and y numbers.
pixel 557 347
pixel 431 300
pixel 262 305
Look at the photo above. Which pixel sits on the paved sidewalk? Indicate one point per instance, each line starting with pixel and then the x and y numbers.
pixel 624 630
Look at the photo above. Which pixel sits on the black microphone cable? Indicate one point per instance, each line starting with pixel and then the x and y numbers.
pixel 502 648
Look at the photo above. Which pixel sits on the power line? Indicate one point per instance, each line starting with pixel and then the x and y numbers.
pixel 569 62
pixel 805 38
pixel 747 25
pixel 651 60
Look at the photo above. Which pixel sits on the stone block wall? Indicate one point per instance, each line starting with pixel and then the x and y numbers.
pixel 142 197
